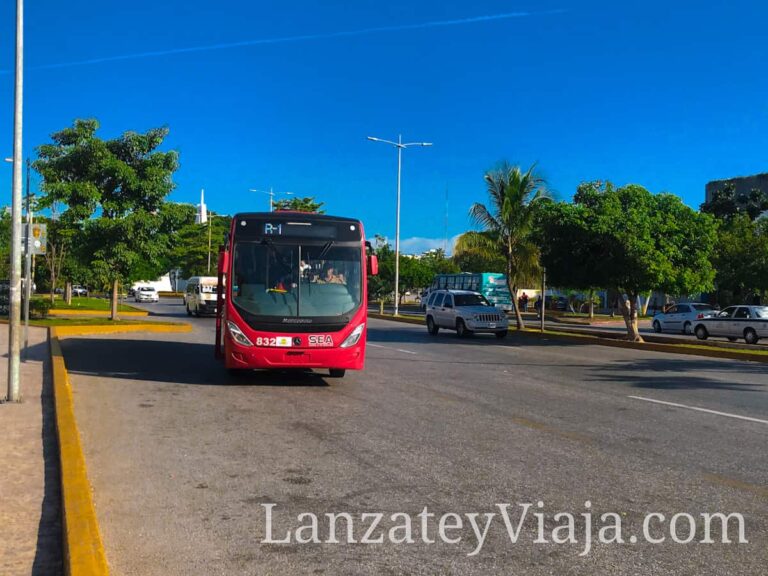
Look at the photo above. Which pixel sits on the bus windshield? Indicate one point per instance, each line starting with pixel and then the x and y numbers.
pixel 314 279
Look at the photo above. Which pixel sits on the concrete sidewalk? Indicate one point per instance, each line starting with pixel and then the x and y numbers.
pixel 30 502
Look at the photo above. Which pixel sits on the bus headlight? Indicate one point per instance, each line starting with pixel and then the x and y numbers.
pixel 237 334
pixel 353 338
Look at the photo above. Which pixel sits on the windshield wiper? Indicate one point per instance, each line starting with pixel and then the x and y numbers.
pixel 324 251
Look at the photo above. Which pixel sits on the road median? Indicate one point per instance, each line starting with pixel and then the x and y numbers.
pixel 616 341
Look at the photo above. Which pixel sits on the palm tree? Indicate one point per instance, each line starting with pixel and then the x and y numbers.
pixel 507 226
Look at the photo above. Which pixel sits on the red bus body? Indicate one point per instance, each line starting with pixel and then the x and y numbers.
pixel 277 308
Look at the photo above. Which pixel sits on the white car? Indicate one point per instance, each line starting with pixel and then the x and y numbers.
pixel 146 294
pixel 466 312
pixel 682 317
pixel 748 322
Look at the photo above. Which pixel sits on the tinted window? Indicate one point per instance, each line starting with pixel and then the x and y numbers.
pixel 431 299
pixel 742 313
pixel 672 310
pixel 471 300
pixel 702 307
pixel 439 299
pixel 448 301
pixel 683 308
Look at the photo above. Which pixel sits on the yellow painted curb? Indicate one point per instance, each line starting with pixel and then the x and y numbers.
pixel 61 312
pixel 114 329
pixel 83 548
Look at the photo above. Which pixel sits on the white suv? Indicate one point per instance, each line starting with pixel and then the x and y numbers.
pixel 146 294
pixel 466 312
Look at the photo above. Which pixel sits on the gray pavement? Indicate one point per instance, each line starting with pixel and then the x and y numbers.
pixel 182 458
pixel 30 498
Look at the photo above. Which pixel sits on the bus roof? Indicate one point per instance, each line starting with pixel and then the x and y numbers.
pixel 291 215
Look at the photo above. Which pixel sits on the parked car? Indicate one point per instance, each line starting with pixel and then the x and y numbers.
pixel 146 294
pixel 748 322
pixel 682 317
pixel 78 290
pixel 466 312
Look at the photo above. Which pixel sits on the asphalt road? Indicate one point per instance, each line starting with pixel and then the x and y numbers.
pixel 182 458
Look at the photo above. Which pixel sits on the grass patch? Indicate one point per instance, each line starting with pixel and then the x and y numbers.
pixel 88 303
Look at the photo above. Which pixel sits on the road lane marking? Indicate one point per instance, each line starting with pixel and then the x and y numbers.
pixel 707 410
pixel 388 348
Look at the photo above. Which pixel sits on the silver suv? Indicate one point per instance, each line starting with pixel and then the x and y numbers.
pixel 464 311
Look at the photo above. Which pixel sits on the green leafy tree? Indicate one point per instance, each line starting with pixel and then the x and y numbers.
pixel 306 204
pixel 569 249
pixel 633 242
pixel 507 226
pixel 113 191
pixel 726 204
pixel 438 263
pixel 741 259
pixel 190 248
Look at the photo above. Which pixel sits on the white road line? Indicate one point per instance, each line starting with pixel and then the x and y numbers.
pixel 708 411
pixel 388 348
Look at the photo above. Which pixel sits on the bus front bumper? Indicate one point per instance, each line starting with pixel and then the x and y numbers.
pixel 263 357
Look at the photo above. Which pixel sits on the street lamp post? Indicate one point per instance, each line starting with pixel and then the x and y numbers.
pixel 272 195
pixel 14 319
pixel 28 264
pixel 400 146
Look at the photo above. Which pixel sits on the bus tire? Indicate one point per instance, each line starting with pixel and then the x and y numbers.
pixel 337 372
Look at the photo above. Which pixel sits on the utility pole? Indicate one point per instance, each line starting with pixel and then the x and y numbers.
pixel 209 243
pixel 14 320
pixel 543 298
pixel 28 266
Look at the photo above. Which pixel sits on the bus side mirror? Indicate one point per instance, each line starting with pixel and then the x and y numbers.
pixel 374 260
pixel 223 262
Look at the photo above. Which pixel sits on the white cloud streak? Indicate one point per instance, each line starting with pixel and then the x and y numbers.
pixel 289 39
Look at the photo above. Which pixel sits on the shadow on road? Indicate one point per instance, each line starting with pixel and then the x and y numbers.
pixel 171 362
pixel 686 373
pixel 421 336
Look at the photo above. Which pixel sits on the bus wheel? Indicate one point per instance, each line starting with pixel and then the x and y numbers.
pixel 337 372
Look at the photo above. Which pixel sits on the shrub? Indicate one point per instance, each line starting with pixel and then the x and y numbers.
pixel 39 308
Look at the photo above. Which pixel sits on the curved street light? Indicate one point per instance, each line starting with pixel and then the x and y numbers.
pixel 400 145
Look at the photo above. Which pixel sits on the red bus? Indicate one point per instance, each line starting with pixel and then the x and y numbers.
pixel 293 292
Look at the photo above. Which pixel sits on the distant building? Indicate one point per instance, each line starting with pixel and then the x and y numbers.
pixel 202 210
pixel 743 185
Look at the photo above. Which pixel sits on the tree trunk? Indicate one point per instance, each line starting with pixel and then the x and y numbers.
pixel 51 261
pixel 591 304
pixel 68 293
pixel 629 312
pixel 647 302
pixel 518 315
pixel 113 313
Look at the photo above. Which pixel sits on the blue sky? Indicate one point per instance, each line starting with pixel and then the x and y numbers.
pixel 664 94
